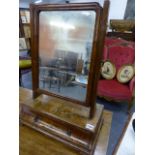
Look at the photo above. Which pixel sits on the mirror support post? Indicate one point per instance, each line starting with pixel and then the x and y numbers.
pixel 101 37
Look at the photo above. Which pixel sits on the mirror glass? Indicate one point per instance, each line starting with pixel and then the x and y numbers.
pixel 65 47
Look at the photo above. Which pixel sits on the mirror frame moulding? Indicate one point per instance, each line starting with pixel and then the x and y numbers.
pixel 98 43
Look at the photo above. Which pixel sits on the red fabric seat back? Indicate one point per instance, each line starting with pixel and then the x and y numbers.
pixel 121 55
pixel 113 41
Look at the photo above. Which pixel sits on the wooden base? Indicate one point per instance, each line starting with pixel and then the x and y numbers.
pixel 63 121
pixel 34 143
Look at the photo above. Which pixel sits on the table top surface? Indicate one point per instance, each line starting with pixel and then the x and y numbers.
pixel 34 143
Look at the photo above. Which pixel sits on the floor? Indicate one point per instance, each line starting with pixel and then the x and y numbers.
pixel 120 115
pixel 128 142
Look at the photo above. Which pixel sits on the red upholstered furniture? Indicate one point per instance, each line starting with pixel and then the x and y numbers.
pixel 110 41
pixel 119 52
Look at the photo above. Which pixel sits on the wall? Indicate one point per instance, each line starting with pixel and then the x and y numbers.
pixel 117 7
pixel 23 5
pixel 130 10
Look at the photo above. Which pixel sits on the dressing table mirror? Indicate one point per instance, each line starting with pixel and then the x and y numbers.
pixel 65 49
pixel 67 42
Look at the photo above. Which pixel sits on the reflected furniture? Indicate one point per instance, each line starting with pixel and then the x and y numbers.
pixel 120 54
pixel 67 43
pixel 61 69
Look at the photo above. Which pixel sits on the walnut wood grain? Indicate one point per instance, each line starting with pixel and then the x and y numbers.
pixel 25 95
pixel 35 143
pixel 63 121
pixel 98 43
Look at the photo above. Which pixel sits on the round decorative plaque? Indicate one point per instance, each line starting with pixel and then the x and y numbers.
pixel 125 73
pixel 108 70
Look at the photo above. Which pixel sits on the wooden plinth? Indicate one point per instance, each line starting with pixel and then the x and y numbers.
pixel 80 137
pixel 34 143
pixel 63 121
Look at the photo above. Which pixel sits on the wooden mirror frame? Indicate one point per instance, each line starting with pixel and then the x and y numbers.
pixel 98 43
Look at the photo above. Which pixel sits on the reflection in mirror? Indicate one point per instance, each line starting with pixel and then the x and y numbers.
pixel 65 46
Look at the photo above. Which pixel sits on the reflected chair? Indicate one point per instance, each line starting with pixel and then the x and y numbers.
pixel 53 73
pixel 119 54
